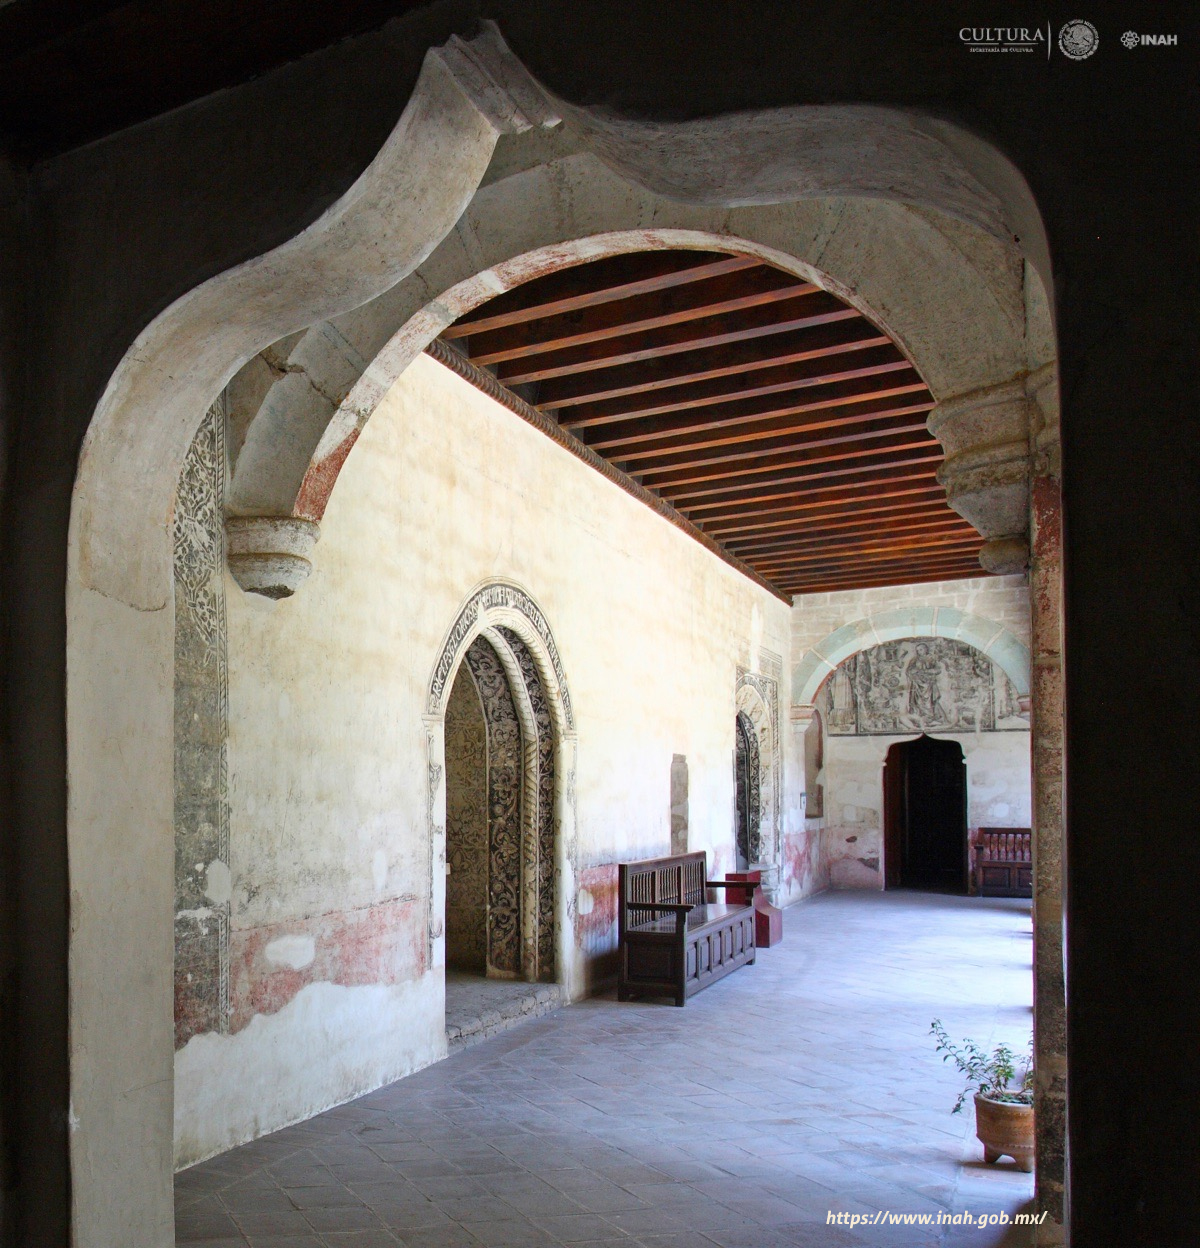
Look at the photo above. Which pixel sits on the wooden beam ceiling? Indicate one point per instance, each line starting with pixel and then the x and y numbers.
pixel 766 411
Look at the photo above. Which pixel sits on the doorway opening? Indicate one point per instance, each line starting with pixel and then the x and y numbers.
pixel 500 838
pixel 925 816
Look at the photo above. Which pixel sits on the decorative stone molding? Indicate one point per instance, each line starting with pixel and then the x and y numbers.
pixel 800 717
pixel 269 555
pixel 985 434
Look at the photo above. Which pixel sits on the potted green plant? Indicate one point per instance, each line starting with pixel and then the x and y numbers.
pixel 1002 1085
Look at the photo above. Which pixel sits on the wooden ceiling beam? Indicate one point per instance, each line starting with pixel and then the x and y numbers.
pixel 918 465
pixel 913 569
pixel 778 530
pixel 822 586
pixel 732 294
pixel 774 554
pixel 673 341
pixel 730 360
pixel 545 297
pixel 794 506
pixel 827 412
pixel 876 363
pixel 900 552
pixel 667 479
pixel 881 425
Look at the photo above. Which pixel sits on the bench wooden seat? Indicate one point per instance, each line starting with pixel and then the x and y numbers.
pixel 1004 862
pixel 673 940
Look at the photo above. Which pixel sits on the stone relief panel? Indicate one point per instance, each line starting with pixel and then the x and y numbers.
pixel 201 805
pixel 466 827
pixel 504 807
pixel 543 872
pixel 921 684
pixel 757 695
pixel 749 792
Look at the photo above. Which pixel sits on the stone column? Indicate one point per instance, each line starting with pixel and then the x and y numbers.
pixel 1046 760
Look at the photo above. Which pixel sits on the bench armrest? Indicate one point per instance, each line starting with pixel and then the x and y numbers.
pixel 679 911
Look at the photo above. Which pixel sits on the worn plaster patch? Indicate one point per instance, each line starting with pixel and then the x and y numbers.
pixel 218 882
pixel 292 951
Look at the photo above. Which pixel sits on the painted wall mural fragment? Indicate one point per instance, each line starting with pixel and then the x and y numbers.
pixel 201 805
pixel 923 684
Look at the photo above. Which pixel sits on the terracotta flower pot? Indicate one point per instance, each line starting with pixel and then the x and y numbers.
pixel 1006 1130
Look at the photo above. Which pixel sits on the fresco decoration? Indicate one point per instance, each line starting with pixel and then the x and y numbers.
pixel 544 871
pixel 201 695
pixel 466 827
pixel 504 807
pixel 919 684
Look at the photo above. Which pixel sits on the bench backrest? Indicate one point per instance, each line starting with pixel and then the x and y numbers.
pixel 678 880
pixel 1005 845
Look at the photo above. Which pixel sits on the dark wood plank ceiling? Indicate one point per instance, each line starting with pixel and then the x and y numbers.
pixel 772 415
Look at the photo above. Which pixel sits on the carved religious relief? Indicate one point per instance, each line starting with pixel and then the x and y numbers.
pixel 504 806
pixel 542 869
pixel 920 684
pixel 201 801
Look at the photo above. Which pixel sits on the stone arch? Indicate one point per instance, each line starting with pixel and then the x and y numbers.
pixel 899 260
pixel 992 639
pixel 119 602
pixel 512 629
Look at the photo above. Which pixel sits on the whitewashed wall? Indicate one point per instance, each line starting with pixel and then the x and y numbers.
pixel 335 984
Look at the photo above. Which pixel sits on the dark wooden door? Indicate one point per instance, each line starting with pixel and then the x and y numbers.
pixel 925 821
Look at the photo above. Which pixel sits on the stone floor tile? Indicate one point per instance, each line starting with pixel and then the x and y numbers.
pixel 645 1118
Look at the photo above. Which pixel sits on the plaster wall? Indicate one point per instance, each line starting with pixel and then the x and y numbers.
pixel 337 942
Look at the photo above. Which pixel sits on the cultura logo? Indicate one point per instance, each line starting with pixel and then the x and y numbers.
pixel 1078 40
pixel 1003 38
pixel 1130 39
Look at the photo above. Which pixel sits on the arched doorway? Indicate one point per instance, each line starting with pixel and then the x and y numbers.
pixel 500 840
pixel 925 815
pixel 748 789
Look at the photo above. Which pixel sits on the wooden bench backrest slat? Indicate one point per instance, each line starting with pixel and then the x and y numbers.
pixel 676 880
pixel 1005 845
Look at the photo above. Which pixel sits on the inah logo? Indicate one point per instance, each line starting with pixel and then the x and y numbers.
pixel 1131 40
pixel 1078 40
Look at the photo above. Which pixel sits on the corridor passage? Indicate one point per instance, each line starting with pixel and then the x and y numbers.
pixel 802 1086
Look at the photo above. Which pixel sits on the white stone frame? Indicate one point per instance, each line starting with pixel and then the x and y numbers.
pixel 119 581
pixel 493 605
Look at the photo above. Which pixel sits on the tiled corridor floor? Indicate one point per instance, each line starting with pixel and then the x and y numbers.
pixel 804 1085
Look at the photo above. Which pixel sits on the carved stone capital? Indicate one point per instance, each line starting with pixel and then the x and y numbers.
pixel 986 471
pixel 800 716
pixel 269 555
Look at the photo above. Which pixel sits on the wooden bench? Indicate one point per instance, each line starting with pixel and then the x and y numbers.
pixel 673 941
pixel 1004 862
